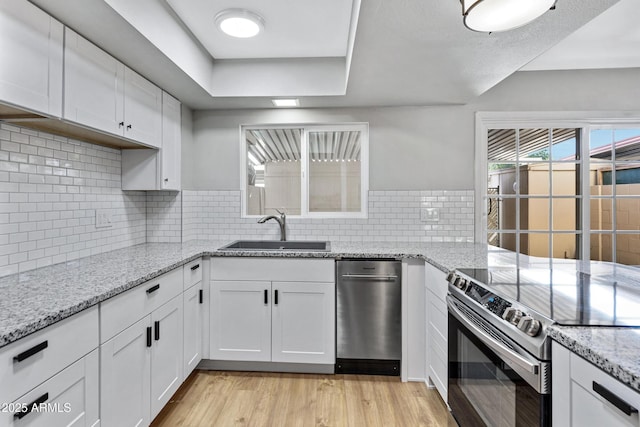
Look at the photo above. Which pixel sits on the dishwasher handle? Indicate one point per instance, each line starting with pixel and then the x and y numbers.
pixel 371 276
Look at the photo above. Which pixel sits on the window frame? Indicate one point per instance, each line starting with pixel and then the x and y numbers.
pixel 585 121
pixel 363 127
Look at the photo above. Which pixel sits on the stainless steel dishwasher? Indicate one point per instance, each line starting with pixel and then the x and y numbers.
pixel 368 320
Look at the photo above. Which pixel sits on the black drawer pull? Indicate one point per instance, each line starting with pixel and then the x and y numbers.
pixel 148 336
pixel 156 327
pixel 33 350
pixel 200 295
pixel 195 267
pixel 275 299
pixel 266 296
pixel 20 415
pixel 153 289
pixel 610 397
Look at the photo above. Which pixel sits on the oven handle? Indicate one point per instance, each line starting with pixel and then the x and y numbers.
pixel 501 350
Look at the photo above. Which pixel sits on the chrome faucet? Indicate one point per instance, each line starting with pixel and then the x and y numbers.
pixel 282 221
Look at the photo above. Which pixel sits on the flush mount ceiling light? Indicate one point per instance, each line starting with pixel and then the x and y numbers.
pixel 285 102
pixel 239 23
pixel 501 15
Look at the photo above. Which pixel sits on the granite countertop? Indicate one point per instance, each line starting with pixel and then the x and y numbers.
pixel 614 350
pixel 38 298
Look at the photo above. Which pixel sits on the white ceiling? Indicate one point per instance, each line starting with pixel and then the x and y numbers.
pixel 405 52
pixel 611 40
pixel 292 29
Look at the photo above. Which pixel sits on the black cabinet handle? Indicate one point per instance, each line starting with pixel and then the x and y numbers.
pixel 195 267
pixel 275 299
pixel 200 295
pixel 610 397
pixel 128 127
pixel 153 289
pixel 148 336
pixel 20 415
pixel 33 350
pixel 156 327
pixel 120 124
pixel 266 296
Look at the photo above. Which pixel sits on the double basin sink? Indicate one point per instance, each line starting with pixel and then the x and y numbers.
pixel 277 245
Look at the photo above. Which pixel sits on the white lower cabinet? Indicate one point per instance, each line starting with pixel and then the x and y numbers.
pixel 141 367
pixel 240 320
pixel 272 310
pixel 166 353
pixel 584 395
pixel 193 319
pixel 437 328
pixel 69 398
pixel 303 322
pixel 125 373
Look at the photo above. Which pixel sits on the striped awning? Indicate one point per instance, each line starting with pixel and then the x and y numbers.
pixel 272 145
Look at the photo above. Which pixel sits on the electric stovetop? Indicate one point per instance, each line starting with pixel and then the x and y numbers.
pixel 608 296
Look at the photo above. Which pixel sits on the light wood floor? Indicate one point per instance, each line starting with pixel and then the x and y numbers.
pixel 213 398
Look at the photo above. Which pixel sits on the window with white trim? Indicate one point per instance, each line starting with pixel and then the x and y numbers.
pixel 562 194
pixel 305 170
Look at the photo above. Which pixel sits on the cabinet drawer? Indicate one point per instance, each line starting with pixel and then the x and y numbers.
pixel 589 406
pixel 273 269
pixel 437 283
pixel 122 311
pixel 192 273
pixel 70 396
pixel 51 349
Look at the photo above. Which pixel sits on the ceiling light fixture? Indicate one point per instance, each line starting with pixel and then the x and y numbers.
pixel 286 102
pixel 239 23
pixel 501 15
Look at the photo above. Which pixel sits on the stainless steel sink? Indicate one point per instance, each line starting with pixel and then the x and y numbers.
pixel 277 245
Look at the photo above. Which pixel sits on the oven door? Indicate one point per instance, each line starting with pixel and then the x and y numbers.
pixel 492 381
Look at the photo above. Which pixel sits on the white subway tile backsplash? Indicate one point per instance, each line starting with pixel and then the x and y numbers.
pixel 48 197
pixel 393 216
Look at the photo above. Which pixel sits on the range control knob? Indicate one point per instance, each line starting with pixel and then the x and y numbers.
pixel 451 277
pixel 508 314
pixel 516 317
pixel 529 326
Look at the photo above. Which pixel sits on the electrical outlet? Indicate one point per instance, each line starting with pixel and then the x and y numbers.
pixel 103 218
pixel 429 214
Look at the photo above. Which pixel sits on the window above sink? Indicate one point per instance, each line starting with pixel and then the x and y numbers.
pixel 319 171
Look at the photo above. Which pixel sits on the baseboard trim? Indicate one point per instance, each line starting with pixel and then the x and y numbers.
pixel 234 365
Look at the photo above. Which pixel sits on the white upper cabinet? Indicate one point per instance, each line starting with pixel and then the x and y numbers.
pixel 171 142
pixel 31 58
pixel 101 93
pixel 144 169
pixel 142 109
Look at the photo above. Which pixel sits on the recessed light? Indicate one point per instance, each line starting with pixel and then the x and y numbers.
pixel 239 23
pixel 285 102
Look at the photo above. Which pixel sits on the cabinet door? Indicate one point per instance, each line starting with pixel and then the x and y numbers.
pixel 166 353
pixel 436 306
pixel 240 317
pixel 142 109
pixel 93 86
pixel 192 327
pixel 171 142
pixel 125 380
pixel 31 58
pixel 71 398
pixel 303 328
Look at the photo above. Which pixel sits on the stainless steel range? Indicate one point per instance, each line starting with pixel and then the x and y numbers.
pixel 499 349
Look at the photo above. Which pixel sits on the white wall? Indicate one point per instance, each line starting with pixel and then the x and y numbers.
pixel 415 148
pixel 410 148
